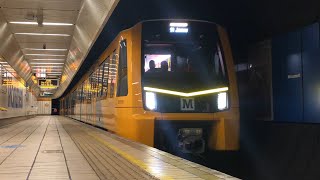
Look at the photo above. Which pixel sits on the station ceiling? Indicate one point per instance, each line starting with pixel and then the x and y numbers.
pixel 67 51
pixel 49 38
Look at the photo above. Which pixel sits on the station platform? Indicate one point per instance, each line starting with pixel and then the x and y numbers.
pixel 56 147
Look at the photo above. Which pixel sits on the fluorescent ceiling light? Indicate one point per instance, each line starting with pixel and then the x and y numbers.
pixel 35 49
pixel 44 55
pixel 41 34
pixel 48 66
pixel 46 63
pixel 52 70
pixel 57 24
pixel 45 23
pixel 48 59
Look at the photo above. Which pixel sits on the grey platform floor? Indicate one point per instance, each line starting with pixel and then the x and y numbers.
pixel 55 147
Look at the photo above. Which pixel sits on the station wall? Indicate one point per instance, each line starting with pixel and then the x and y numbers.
pixel 44 107
pixel 15 99
pixel 296 75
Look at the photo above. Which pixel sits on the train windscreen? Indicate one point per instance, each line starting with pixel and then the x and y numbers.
pixel 182 67
pixel 182 56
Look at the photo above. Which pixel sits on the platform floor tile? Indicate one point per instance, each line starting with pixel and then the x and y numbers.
pixel 99 145
pixel 34 149
pixel 59 148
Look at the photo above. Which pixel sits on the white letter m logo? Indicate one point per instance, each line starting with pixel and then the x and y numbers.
pixel 187 104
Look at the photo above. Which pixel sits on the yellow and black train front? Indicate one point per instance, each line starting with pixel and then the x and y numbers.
pixel 189 86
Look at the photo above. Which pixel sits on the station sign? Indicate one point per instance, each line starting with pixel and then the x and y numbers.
pixel 7 81
pixel 46 94
pixel 48 83
pixel 178 28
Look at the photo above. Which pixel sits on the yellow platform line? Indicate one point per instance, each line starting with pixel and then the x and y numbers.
pixel 3 109
pixel 128 157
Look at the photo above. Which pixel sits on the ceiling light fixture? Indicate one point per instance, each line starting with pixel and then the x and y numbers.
pixel 44 55
pixel 45 23
pixel 48 59
pixel 47 66
pixel 46 63
pixel 42 34
pixel 51 70
pixel 35 49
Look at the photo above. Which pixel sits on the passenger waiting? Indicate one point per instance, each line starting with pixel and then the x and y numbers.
pixel 164 66
pixel 152 66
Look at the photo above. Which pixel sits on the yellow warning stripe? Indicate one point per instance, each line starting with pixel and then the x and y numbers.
pixel 128 157
pixel 3 109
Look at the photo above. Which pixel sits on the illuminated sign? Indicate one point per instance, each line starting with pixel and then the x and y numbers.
pixel 48 83
pixel 179 28
pixel 46 94
pixel 7 81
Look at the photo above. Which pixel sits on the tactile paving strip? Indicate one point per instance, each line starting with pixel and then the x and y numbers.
pixel 160 164
pixel 105 162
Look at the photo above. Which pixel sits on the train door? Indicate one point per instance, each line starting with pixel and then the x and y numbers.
pixel 125 125
pixel 81 101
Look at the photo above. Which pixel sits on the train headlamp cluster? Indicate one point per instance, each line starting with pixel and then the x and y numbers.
pixel 151 100
pixel 222 101
pixel 151 97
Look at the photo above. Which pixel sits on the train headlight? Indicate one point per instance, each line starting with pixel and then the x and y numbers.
pixel 151 100
pixel 222 101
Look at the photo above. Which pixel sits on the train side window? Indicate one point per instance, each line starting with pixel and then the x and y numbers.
pixel 105 77
pixel 82 94
pixel 99 80
pixel 91 83
pixel 122 89
pixel 112 73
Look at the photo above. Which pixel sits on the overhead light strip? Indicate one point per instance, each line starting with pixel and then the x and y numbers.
pixel 197 93
pixel 46 63
pixel 47 66
pixel 44 55
pixel 42 34
pixel 44 23
pixel 36 49
pixel 47 59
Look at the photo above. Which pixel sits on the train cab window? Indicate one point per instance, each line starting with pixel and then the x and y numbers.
pixel 190 61
pixel 157 63
pixel 122 89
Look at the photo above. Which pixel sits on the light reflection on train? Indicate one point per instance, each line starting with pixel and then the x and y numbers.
pixel 164 83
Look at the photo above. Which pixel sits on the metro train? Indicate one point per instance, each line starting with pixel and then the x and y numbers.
pixel 169 84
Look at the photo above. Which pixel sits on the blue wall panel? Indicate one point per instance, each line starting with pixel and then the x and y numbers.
pixel 311 83
pixel 310 37
pixel 287 81
pixel 296 75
